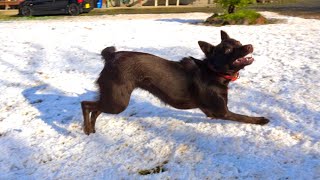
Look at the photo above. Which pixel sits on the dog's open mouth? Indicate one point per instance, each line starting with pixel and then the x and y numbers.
pixel 244 61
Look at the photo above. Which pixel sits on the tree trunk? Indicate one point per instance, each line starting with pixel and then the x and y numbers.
pixel 231 9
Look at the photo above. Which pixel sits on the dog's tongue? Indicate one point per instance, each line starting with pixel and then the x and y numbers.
pixel 243 61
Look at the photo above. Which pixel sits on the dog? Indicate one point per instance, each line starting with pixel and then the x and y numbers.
pixel 187 84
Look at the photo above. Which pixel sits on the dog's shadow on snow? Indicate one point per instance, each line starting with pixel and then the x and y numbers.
pixel 145 109
pixel 58 109
pixel 282 113
pixel 183 21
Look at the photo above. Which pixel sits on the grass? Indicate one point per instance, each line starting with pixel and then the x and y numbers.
pixel 302 8
pixel 150 10
pixel 11 15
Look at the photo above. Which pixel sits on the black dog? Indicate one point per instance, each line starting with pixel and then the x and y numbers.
pixel 190 83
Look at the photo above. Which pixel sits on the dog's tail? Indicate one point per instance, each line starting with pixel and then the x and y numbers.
pixel 108 53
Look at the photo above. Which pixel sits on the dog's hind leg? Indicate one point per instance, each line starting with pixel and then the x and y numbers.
pixel 94 116
pixel 114 97
pixel 90 114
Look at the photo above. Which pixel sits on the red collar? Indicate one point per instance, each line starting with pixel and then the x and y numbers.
pixel 230 77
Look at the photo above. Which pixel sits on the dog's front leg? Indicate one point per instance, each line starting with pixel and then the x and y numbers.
pixel 218 109
pixel 228 115
pixel 246 119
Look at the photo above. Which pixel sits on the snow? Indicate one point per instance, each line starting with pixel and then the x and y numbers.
pixel 47 67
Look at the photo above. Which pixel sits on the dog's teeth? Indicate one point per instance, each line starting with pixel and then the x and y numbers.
pixel 249 55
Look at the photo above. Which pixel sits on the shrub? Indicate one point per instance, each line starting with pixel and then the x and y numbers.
pixel 240 17
pixel 249 15
pixel 230 5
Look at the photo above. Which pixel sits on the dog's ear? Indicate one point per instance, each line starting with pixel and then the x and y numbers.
pixel 206 48
pixel 224 36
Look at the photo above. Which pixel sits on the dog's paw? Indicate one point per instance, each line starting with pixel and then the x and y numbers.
pixel 262 120
pixel 87 130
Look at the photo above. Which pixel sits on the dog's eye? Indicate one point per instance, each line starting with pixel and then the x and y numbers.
pixel 227 51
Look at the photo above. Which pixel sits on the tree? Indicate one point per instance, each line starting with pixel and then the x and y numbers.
pixel 231 5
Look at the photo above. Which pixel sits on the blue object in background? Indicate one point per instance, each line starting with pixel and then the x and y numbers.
pixel 99 4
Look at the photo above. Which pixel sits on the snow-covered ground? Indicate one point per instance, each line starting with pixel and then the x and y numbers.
pixel 48 67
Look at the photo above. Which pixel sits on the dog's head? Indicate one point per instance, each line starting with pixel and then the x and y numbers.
pixel 227 57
